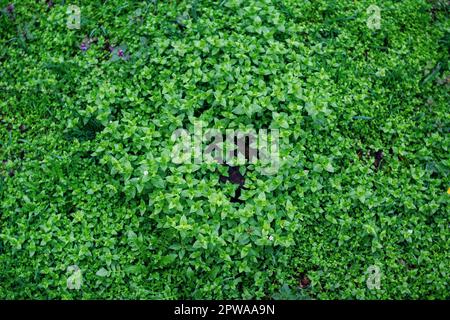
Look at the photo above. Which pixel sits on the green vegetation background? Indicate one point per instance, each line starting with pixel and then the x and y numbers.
pixel 364 120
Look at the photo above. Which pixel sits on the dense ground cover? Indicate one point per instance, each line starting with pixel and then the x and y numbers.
pixel 88 188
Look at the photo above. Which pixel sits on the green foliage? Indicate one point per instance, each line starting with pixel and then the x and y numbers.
pixel 87 178
pixel 287 293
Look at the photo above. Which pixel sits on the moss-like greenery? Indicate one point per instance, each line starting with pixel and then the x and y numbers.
pixel 87 182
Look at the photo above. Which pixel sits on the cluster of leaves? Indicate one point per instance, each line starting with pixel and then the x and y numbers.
pixel 87 178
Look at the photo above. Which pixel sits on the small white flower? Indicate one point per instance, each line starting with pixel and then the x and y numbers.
pixel 271 238
pixel 145 173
